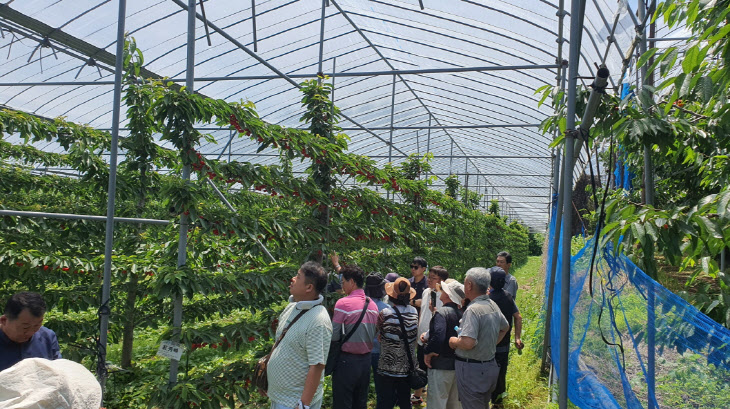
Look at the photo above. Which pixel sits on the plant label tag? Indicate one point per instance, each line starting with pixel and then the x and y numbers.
pixel 169 349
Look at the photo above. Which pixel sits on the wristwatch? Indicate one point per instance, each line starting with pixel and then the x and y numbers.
pixel 301 405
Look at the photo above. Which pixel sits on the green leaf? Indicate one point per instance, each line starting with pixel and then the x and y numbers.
pixel 651 231
pixel 709 226
pixel 546 91
pixel 689 62
pixel 645 57
pixel 712 306
pixel 685 85
pixel 724 31
pixel 723 204
pixel 562 124
pixel 705 88
pixel 646 97
pixel 668 63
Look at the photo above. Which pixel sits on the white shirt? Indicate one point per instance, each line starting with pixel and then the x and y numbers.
pixel 425 318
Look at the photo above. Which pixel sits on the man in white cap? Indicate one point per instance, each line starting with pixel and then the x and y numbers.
pixel 440 357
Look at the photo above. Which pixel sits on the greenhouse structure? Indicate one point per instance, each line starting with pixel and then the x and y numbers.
pixel 465 89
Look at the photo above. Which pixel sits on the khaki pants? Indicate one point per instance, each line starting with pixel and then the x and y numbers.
pixel 442 390
pixel 476 381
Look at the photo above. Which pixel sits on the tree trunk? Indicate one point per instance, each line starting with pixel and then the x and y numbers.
pixel 129 310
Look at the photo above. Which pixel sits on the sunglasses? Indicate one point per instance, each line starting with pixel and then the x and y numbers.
pixel 415 267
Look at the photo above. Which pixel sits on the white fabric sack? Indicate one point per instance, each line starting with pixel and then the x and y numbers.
pixel 38 383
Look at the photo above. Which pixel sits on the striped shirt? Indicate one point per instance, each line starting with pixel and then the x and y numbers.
pixel 305 344
pixel 347 312
pixel 393 358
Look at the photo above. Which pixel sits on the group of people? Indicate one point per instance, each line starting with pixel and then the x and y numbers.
pixel 388 326
pixel 459 333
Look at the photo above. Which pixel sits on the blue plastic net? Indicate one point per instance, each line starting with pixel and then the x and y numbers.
pixel 612 332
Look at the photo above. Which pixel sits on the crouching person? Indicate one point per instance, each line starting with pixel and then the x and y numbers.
pixel 296 368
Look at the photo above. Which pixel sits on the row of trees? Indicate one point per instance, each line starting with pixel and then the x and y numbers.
pixel 232 290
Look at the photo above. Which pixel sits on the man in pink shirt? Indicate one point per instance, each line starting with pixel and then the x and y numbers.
pixel 351 377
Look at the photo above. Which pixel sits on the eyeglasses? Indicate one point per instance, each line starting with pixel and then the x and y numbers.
pixel 415 267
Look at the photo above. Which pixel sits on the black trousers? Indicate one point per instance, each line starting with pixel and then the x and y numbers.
pixel 351 381
pixel 393 391
pixel 502 359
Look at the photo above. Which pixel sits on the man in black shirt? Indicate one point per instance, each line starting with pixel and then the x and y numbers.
pixel 440 357
pixel 510 311
pixel 418 280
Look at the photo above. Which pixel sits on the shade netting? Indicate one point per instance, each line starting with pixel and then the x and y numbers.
pixel 613 329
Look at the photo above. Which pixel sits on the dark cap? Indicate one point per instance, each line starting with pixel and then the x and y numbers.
pixel 391 277
pixel 499 278
pixel 375 285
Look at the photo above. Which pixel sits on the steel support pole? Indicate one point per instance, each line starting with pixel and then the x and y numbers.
pixel 332 94
pixel 274 155
pixel 347 74
pixel 648 167
pixel 378 128
pixel 466 181
pixel 558 215
pixel 451 161
pixel 321 41
pixel 547 339
pixel 428 136
pixel 392 118
pixel 182 246
pixel 69 216
pixel 649 198
pixel 104 308
pixel 576 28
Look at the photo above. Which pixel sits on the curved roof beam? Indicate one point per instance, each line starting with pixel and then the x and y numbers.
pixel 347 17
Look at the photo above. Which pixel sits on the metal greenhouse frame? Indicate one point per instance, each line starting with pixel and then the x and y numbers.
pixel 405 80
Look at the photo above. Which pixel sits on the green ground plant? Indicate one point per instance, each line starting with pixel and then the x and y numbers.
pixel 526 387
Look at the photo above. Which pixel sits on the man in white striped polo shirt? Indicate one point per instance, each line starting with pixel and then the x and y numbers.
pixel 296 368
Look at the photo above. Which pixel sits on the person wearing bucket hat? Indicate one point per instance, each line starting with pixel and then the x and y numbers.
pixel 510 311
pixel 440 357
pixel 375 289
pixel 394 366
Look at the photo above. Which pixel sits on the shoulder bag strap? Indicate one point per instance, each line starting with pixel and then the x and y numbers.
pixel 359 320
pixel 302 312
pixel 404 337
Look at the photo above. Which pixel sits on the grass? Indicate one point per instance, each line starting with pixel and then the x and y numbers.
pixel 526 388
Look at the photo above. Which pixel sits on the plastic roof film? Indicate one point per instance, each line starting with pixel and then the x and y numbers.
pixel 483 121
